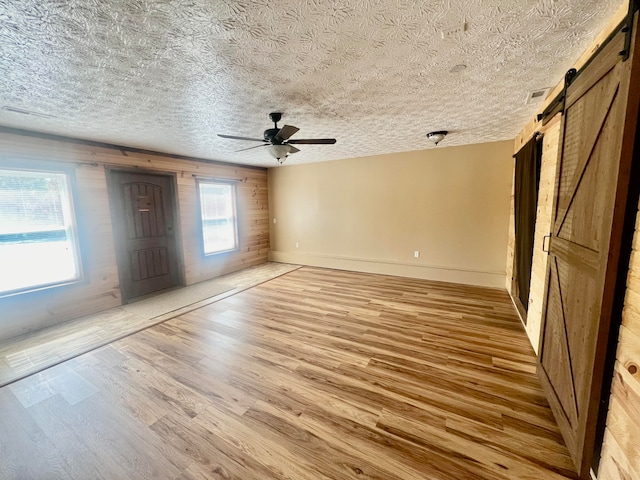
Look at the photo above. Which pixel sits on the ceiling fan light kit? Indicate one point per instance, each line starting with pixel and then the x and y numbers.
pixel 437 137
pixel 277 140
pixel 280 152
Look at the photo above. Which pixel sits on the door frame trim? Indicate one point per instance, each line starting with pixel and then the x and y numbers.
pixel 117 231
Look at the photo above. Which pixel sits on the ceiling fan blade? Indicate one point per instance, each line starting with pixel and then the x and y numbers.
pixel 286 131
pixel 249 148
pixel 293 149
pixel 233 137
pixel 311 141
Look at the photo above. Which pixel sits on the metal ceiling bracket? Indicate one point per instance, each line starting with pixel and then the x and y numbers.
pixel 634 6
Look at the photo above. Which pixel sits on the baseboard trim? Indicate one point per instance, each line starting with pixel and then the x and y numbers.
pixel 391 267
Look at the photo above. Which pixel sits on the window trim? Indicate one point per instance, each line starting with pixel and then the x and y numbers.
pixel 77 231
pixel 234 193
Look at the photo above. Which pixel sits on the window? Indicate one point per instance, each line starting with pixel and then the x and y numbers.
pixel 38 240
pixel 218 216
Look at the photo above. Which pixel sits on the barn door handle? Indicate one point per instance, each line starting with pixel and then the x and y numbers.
pixel 544 242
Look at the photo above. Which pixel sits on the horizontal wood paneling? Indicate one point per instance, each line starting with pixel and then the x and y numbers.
pixel 621 449
pixel 511 241
pixel 100 290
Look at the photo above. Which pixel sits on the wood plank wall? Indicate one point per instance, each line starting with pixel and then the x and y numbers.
pixel 511 240
pixel 543 227
pixel 621 449
pixel 33 311
pixel 621 452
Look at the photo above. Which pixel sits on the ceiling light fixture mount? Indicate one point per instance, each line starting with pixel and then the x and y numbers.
pixel 436 137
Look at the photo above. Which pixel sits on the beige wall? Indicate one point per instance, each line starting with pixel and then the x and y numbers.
pixel 371 214
pixel 100 290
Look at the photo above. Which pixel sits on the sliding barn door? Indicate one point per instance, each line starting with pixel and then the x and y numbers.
pixel 591 189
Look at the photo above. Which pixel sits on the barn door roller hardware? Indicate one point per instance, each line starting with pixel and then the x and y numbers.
pixel 626 26
pixel 634 6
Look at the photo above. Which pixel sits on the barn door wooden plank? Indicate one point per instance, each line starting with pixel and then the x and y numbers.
pixel 558 342
pixel 593 129
pixel 591 186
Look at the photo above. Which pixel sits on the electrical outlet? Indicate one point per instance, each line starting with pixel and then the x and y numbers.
pixel 454 32
pixel 416 254
pixel 297 245
pixel 274 220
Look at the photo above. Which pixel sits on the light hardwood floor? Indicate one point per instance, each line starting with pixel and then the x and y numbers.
pixel 317 374
pixel 33 352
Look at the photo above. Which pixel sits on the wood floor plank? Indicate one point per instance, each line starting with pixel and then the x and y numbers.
pixel 30 353
pixel 492 463
pixel 26 451
pixel 317 374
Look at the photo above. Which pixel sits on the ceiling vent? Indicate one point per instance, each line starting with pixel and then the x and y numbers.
pixel 8 108
pixel 537 95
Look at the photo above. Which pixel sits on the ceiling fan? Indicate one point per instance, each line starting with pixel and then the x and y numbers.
pixel 278 139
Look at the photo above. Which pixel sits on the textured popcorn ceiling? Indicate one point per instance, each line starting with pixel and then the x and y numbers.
pixel 169 75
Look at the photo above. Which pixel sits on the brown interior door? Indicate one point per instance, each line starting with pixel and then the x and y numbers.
pixel 143 215
pixel 591 187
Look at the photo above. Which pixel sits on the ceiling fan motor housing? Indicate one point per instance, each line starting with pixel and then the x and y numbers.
pixel 270 134
pixel 277 139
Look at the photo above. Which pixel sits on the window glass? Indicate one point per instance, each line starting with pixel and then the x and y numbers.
pixel 218 216
pixel 38 241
